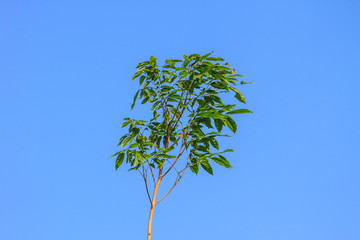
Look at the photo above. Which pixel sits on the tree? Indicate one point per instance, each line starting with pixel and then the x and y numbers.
pixel 188 117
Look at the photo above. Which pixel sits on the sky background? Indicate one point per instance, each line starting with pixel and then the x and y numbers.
pixel 65 70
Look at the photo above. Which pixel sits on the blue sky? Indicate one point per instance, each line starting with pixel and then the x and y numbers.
pixel 65 70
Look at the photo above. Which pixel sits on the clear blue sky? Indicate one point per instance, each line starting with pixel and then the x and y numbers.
pixel 65 69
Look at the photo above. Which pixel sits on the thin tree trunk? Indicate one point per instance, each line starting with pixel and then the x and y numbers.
pixel 153 203
pixel 150 221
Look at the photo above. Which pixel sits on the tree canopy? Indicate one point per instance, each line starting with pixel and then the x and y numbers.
pixel 188 116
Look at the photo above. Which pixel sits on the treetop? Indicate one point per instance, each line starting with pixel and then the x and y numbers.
pixel 189 114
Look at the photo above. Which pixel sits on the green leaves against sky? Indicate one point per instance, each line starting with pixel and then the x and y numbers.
pixel 188 114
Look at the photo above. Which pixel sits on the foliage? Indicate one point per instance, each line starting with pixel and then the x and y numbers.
pixel 189 116
pixel 185 98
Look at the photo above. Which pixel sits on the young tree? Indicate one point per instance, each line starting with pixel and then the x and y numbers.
pixel 188 117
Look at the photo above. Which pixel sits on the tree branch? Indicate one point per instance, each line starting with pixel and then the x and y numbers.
pixel 180 153
pixel 173 167
pixel 152 174
pixel 174 184
pixel 145 180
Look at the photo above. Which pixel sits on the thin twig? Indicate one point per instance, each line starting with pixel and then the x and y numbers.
pixel 174 184
pixel 147 189
pixel 173 167
pixel 152 174
pixel 180 153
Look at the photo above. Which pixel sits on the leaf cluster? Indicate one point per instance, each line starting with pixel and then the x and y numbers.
pixel 189 114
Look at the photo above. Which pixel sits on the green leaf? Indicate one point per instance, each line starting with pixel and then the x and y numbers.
pixel 119 160
pixel 139 157
pixel 207 122
pixel 206 166
pixel 238 95
pixel 168 149
pixel 135 168
pixel 214 143
pixel 195 168
pixel 231 124
pixel 134 131
pixel 146 99
pixel 125 123
pixel 122 139
pixel 236 75
pixel 128 156
pixel 165 88
pixel 155 105
pixel 145 84
pixel 153 61
pixel 186 62
pixel 214 59
pixel 228 150
pixel 155 115
pixel 202 148
pixel 184 73
pixel 172 100
pixel 136 75
pixel 125 142
pixel 165 156
pixel 135 97
pixel 219 85
pixel 173 78
pixel 134 145
pixel 206 55
pixel 204 114
pixel 239 111
pixel 216 98
pixel 222 162
pixel 242 82
pixel 173 95
pixel 141 80
pixel 114 154
pixel 142 64
pixel 135 160
pixel 194 56
pixel 218 124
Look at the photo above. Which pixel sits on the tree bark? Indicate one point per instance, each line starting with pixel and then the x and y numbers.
pixel 153 203
pixel 150 221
